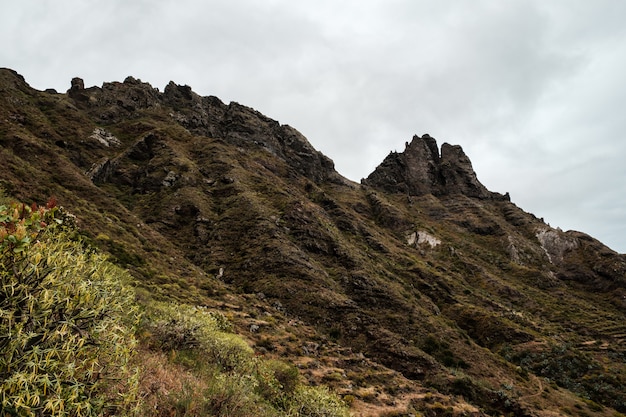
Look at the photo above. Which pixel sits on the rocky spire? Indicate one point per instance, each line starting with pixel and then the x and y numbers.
pixel 421 170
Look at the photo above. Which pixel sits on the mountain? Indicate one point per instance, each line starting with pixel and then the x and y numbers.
pixel 415 292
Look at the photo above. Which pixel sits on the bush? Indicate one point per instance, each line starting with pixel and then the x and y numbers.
pixel 231 396
pixel 316 402
pixel 276 381
pixel 236 382
pixel 68 318
pixel 180 327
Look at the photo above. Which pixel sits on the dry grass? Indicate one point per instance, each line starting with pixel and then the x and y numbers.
pixel 161 382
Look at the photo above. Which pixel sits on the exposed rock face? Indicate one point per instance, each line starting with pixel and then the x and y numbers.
pixel 243 126
pixel 206 116
pixel 420 170
pixel 77 90
pixel 104 138
pixel 555 243
pixel 420 238
pixel 77 84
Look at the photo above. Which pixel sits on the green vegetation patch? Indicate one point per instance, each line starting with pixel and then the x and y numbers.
pixel 231 380
pixel 69 321
pixel 577 371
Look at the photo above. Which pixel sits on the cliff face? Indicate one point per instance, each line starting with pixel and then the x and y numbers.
pixel 205 116
pixel 420 170
pixel 454 296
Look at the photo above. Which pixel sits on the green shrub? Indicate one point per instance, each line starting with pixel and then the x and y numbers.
pixel 68 318
pixel 316 402
pixel 238 383
pixel 182 327
pixel 230 396
pixel 286 374
pixel 276 381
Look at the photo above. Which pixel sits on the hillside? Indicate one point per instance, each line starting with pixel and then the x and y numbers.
pixel 416 291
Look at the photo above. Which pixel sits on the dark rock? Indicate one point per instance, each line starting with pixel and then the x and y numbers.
pixel 115 100
pixel 101 171
pixel 458 175
pixel 589 262
pixel 302 156
pixel 77 84
pixel 144 148
pixel 77 90
pixel 16 79
pixel 207 116
pixel 174 92
pixel 132 80
pixel 246 127
pixel 419 170
pixel 187 209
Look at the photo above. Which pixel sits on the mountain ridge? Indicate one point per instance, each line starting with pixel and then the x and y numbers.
pixel 419 273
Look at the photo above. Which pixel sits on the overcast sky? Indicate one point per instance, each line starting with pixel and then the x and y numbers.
pixel 533 90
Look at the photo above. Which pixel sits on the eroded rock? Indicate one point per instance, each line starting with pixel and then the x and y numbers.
pixel 104 138
pixel 420 170
pixel 422 238
pixel 555 244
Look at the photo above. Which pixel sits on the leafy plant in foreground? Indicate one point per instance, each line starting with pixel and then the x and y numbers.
pixel 66 318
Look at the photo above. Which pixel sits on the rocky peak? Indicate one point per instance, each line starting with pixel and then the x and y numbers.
pixel 420 170
pixel 205 116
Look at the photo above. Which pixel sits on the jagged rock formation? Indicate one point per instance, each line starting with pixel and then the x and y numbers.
pixel 419 170
pixel 451 301
pixel 206 116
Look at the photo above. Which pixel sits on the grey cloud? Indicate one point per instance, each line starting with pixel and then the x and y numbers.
pixel 532 90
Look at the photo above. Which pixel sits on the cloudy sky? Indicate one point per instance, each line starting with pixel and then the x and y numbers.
pixel 533 90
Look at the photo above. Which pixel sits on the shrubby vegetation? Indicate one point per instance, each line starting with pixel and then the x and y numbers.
pixel 315 402
pixel 175 327
pixel 234 382
pixel 70 346
pixel 577 371
pixel 68 317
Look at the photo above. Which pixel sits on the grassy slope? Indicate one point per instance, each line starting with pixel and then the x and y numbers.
pixel 324 269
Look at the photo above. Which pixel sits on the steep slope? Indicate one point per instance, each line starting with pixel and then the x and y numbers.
pixel 418 290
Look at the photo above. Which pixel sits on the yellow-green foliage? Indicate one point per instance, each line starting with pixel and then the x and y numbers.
pixel 66 320
pixel 316 402
pixel 181 327
pixel 235 382
pixel 277 381
pixel 68 323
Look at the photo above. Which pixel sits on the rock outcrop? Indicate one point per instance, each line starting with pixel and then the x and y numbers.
pixel 205 116
pixel 420 170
